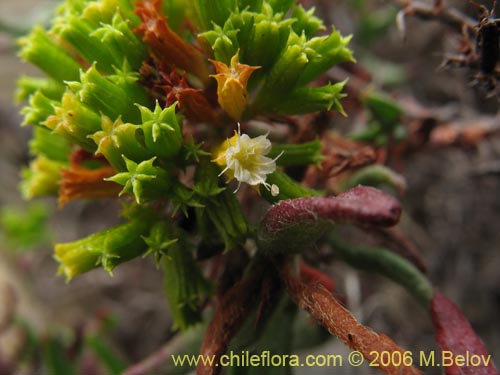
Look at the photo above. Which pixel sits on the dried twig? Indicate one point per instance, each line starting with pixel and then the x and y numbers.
pixel 318 301
pixel 230 313
pixel 451 17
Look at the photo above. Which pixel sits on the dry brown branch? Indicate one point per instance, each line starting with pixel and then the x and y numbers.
pixel 449 16
pixel 319 302
pixel 230 313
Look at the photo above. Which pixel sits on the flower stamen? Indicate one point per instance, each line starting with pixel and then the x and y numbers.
pixel 243 159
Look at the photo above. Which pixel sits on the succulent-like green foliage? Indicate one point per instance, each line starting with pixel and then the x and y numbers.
pixel 128 103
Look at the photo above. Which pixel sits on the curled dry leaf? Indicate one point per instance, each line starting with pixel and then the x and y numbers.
pixel 165 44
pixel 457 338
pixel 293 224
pixel 318 301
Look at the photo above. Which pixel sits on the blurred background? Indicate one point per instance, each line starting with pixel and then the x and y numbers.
pixel 451 211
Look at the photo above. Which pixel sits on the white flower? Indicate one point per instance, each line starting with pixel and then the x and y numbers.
pixel 244 159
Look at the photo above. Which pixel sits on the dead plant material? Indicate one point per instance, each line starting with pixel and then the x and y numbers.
pixel 165 44
pixel 231 310
pixel 318 301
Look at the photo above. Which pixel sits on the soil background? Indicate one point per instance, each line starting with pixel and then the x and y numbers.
pixel 451 211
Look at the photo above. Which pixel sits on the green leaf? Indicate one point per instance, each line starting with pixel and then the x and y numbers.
pixel 388 264
pixel 375 175
pixel 106 356
pixel 56 359
pixel 289 188
pixel 383 109
pixel 297 154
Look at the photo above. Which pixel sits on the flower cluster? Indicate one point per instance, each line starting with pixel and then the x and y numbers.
pixel 133 104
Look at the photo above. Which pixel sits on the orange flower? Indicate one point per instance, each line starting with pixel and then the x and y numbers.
pixel 232 85
pixel 78 182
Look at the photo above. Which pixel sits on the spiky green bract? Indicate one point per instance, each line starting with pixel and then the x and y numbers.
pixel 143 180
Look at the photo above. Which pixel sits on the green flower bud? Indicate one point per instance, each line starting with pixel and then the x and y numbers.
pixel 103 11
pixel 77 32
pixel 74 121
pixel 53 146
pixel 224 43
pixel 27 86
pixel 214 12
pixel 41 178
pixel 108 248
pixel 102 94
pixel 116 140
pixel 307 23
pixel 40 107
pixel 161 130
pixel 311 99
pixel 118 37
pixel 40 49
pixel 328 51
pixel 265 43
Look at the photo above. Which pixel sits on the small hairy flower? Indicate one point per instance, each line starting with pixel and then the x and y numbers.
pixel 244 159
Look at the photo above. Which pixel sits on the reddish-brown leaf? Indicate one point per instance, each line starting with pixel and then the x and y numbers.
pixel 458 340
pixel 311 275
pixel 362 205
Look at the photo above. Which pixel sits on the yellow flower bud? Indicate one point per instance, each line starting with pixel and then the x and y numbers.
pixel 232 85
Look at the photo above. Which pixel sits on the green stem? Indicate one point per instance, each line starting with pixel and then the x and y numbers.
pixel 386 263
